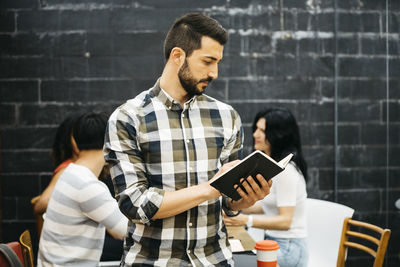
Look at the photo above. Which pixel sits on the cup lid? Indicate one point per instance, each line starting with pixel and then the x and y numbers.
pixel 267 245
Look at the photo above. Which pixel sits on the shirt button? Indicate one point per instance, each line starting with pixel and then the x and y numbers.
pixel 187 141
pixel 188 251
pixel 190 224
pixel 183 115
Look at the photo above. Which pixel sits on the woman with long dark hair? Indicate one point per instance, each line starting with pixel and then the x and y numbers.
pixel 275 132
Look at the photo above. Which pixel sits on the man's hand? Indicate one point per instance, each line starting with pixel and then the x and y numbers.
pixel 254 192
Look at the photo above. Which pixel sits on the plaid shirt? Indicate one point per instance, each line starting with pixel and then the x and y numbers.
pixel 154 145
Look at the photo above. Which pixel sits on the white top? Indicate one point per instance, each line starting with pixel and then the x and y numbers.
pixel 79 210
pixel 288 190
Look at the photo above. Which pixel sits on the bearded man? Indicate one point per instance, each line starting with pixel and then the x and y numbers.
pixel 167 144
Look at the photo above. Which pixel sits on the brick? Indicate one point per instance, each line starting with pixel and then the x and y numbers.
pixel 349 22
pixel 361 200
pixel 44 181
pixel 347 46
pixel 316 134
pixel 228 67
pixel 66 20
pixel 314 112
pixel 27 67
pixel 322 66
pixel 69 45
pixel 132 67
pixel 272 89
pixel 353 90
pixel 7 21
pixel 394 112
pixel 319 156
pixel 260 44
pixel 296 4
pixel 371 22
pixel 394 21
pixel 27 44
pixel 375 133
pixel 306 21
pixel 143 20
pixel 125 44
pixel 289 21
pixel 217 89
pixel 24 208
pixel 261 66
pixel 362 67
pixel 246 3
pixel 377 46
pixel 348 134
pixel 9 213
pixel 284 66
pixel 247 111
pixel 181 3
pixel 50 3
pixel 13 4
pixel 286 46
pixel 12 185
pixel 394 67
pixel 325 22
pixel 13 229
pixel 93 91
pixel 19 91
pixel 361 179
pixel 27 137
pixel 310 46
pixel 394 152
pixel 25 161
pixel 362 156
pixel 8 115
pixel 53 114
pixel 359 112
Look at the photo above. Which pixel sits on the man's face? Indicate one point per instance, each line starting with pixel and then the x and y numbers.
pixel 201 67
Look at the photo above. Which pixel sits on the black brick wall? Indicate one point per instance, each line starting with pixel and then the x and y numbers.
pixel 60 56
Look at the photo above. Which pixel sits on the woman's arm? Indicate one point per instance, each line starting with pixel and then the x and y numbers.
pixel 281 222
pixel 41 205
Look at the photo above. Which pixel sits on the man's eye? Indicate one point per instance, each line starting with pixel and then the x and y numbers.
pixel 207 62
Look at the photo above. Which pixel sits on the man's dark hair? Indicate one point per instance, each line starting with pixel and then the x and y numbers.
pixel 186 33
pixel 89 130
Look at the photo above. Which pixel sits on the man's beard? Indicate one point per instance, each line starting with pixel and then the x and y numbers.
pixel 189 83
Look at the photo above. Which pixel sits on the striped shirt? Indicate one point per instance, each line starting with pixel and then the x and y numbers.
pixel 79 209
pixel 154 145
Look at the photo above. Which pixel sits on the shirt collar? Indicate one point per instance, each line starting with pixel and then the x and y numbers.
pixel 168 101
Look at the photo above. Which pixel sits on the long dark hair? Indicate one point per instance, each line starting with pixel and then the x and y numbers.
pixel 62 147
pixel 282 132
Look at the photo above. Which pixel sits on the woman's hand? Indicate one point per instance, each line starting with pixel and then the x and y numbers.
pixel 239 220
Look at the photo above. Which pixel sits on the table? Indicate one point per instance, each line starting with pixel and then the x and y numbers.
pixel 235 232
pixel 238 232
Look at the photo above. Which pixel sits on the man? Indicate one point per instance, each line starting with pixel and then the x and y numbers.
pixel 165 145
pixel 81 206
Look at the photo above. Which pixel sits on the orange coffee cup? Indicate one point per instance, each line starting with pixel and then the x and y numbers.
pixel 267 253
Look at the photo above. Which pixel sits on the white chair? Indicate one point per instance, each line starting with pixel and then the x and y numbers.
pixel 324 228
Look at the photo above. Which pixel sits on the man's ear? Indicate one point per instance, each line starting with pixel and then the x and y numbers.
pixel 75 148
pixel 178 56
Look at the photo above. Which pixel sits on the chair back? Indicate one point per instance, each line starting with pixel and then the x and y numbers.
pixel 38 217
pixel 12 256
pixel 356 239
pixel 27 250
pixel 324 226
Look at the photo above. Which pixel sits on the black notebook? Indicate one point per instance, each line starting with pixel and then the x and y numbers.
pixel 256 163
